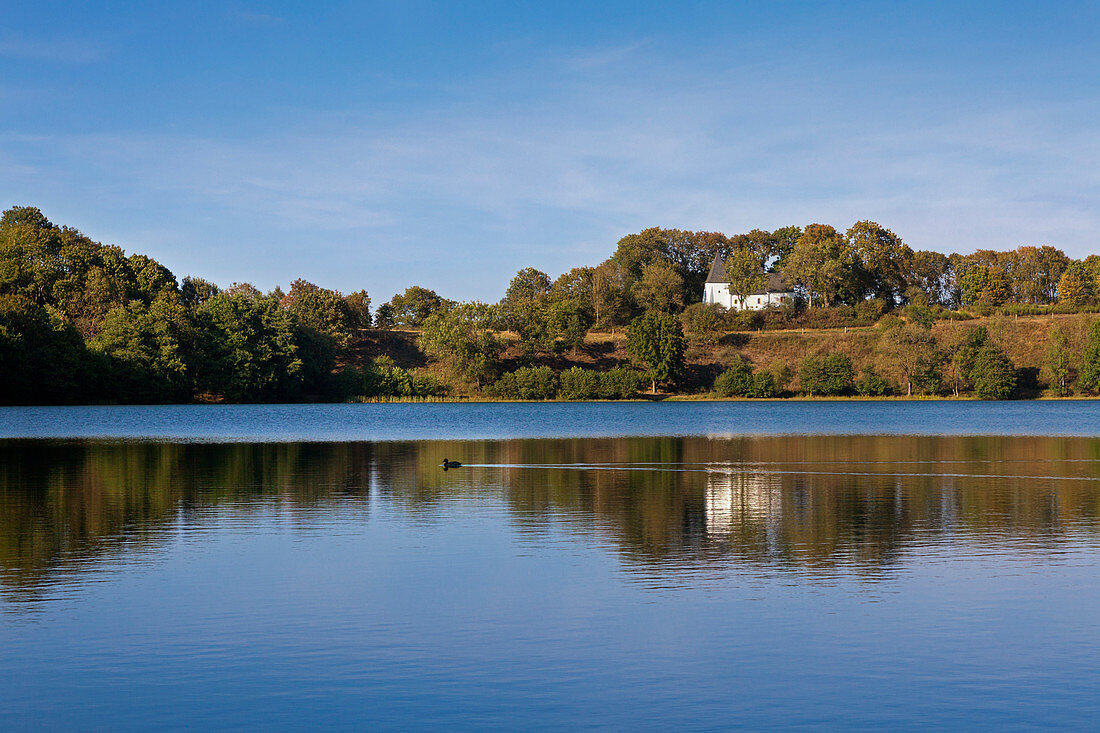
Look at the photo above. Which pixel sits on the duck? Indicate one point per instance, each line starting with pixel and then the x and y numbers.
pixel 450 464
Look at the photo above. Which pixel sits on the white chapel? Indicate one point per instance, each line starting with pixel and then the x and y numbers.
pixel 717 290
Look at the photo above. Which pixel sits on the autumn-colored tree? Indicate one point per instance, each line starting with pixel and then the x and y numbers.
pixel 824 266
pixel 660 288
pixel 883 260
pixel 929 273
pixel 703 323
pixel 1076 286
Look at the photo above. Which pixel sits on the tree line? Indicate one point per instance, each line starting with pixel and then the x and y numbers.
pixel 81 321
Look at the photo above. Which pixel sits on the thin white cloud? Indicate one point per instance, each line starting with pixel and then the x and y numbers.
pixel 482 189
pixel 59 50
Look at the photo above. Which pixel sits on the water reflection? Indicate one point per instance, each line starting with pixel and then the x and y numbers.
pixel 803 502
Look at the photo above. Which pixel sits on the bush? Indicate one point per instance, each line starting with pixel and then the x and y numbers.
pixel 870 384
pixel 620 383
pixel 740 381
pixel 828 377
pixel 737 381
pixel 383 379
pixel 703 323
pixel 746 320
pixel 869 311
pixel 579 384
pixel 527 383
pixel 764 385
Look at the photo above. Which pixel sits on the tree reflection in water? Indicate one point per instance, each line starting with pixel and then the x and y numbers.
pixel 804 502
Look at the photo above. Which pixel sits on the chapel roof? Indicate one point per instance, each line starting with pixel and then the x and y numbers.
pixel 717 271
pixel 777 281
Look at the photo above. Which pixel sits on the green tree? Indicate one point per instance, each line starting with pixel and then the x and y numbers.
pixel 764 385
pixel 43 359
pixel 569 320
pixel 961 354
pixel 745 274
pixel 1058 362
pixel 144 346
pixel 610 299
pixel 882 259
pixel 1089 376
pixel 825 266
pixel 655 341
pixel 576 383
pixel 322 310
pixel 411 308
pixel 358 307
pixel 985 285
pixel 524 309
pixel 247 348
pixel 619 383
pixel 150 278
pixel 870 384
pixel 785 239
pixel 829 376
pixel 761 244
pixel 460 338
pixel 915 353
pixel 194 291
pixel 993 373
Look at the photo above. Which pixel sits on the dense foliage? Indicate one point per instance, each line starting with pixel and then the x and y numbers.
pixel 81 321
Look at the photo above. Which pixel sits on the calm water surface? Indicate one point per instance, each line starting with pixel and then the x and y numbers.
pixel 745 572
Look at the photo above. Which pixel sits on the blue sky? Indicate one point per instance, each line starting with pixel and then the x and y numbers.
pixel 381 145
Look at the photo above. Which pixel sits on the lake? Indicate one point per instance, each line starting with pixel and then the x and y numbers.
pixel 654 566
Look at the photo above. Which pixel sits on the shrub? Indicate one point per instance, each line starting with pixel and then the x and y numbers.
pixel 830 376
pixel 579 384
pixel 870 384
pixel 764 385
pixel 737 381
pixel 869 311
pixel 620 383
pixel 527 383
pixel 703 323
pixel 746 320
pixel 383 379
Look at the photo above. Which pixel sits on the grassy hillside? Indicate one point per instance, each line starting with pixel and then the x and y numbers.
pixel 1025 339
